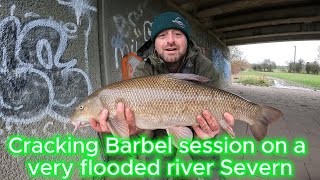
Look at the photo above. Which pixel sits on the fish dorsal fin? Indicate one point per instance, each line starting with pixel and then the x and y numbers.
pixel 180 133
pixel 118 127
pixel 189 77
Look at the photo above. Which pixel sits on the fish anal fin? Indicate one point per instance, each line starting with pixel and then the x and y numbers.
pixel 189 77
pixel 180 133
pixel 118 127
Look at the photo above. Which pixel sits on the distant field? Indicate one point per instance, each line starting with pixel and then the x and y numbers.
pixel 308 80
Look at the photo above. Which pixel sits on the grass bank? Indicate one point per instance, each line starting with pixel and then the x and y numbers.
pixel 257 78
pixel 253 78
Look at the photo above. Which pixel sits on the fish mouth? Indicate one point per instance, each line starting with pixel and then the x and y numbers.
pixel 77 125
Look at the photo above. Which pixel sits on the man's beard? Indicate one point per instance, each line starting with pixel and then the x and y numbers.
pixel 171 59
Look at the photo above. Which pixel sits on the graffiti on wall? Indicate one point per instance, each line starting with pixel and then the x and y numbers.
pixel 221 63
pixel 128 32
pixel 36 77
pixel 81 8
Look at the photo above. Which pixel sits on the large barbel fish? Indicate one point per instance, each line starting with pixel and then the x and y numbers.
pixel 172 102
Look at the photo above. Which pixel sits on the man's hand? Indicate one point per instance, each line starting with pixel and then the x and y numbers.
pixel 122 112
pixel 208 126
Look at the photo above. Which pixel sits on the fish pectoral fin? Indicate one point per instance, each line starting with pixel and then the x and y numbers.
pixel 184 157
pixel 180 133
pixel 228 129
pixel 118 127
pixel 189 77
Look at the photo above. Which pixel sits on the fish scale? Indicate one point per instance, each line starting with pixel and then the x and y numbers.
pixel 172 101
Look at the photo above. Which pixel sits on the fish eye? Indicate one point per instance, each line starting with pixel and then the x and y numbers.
pixel 81 107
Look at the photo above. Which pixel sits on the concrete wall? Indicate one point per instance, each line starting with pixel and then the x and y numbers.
pixel 53 53
pixel 49 61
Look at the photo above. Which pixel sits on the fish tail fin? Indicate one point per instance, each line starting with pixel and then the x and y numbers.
pixel 118 127
pixel 267 116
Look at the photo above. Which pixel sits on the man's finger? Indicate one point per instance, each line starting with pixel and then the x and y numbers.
pixel 199 132
pixel 131 122
pixel 211 121
pixel 204 126
pixel 229 118
pixel 94 125
pixel 103 121
pixel 120 111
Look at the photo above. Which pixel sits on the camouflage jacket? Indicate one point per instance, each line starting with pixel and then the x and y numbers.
pixel 195 63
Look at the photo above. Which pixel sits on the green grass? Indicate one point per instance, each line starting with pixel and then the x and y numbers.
pixel 252 78
pixel 308 80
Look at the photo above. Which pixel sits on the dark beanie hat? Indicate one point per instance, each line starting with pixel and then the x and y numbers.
pixel 169 20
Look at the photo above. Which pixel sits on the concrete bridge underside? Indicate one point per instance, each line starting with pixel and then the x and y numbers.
pixel 237 22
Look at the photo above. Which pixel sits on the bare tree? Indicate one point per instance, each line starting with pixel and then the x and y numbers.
pixel 235 53
pixel 296 67
pixel 318 57
pixel 268 65
pixel 238 62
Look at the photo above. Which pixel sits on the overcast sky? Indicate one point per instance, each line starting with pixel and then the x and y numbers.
pixel 281 52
